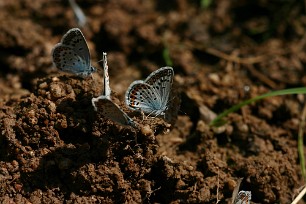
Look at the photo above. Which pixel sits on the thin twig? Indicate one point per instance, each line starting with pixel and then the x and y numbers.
pixel 249 60
pixel 218 188
pixel 261 76
pixel 300 196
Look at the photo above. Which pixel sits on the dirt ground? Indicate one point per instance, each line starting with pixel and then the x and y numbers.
pixel 54 148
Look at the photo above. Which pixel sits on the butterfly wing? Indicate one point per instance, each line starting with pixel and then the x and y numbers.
pixel 72 54
pixel 141 96
pixel 173 106
pixel 161 81
pixel 66 59
pixel 75 39
pixel 112 111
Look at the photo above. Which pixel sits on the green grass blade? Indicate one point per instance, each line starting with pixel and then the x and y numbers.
pixel 205 4
pixel 218 120
pixel 301 152
pixel 301 143
pixel 167 58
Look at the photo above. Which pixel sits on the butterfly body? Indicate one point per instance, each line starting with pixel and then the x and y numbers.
pixel 72 54
pixel 152 94
pixel 243 197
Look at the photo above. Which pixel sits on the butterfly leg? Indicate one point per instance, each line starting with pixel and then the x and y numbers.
pixel 143 116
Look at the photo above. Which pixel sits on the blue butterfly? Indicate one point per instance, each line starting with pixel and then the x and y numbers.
pixel 72 54
pixel 151 95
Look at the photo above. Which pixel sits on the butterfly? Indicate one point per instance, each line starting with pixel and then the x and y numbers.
pixel 105 106
pixel 110 110
pixel 151 95
pixel 72 54
pixel 243 197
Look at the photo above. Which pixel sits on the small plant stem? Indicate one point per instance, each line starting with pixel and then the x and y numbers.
pixel 217 120
pixel 301 143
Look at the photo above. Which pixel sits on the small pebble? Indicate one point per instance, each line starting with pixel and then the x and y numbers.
pixel 57 90
pixel 43 85
pixel 146 130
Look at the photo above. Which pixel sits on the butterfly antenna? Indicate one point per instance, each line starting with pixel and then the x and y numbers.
pixel 107 90
pixel 168 102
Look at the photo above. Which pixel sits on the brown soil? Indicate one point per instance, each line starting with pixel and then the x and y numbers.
pixel 56 149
